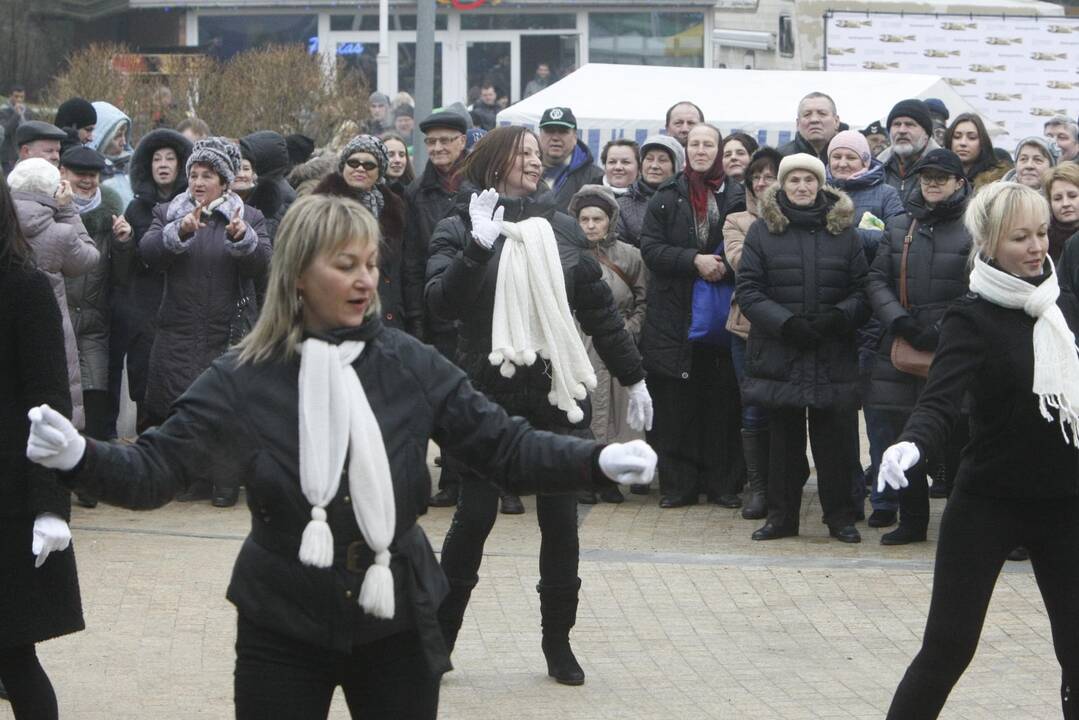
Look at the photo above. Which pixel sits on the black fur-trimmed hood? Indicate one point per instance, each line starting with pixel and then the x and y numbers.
pixel 142 180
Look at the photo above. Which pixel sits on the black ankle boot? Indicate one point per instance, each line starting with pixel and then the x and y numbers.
pixel 558 613
pixel 755 448
pixel 451 613
pixel 225 495
pixel 196 491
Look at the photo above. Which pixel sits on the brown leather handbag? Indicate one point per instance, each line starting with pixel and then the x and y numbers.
pixel 905 357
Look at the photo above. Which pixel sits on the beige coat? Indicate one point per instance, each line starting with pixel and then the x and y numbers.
pixel 735 228
pixel 62 249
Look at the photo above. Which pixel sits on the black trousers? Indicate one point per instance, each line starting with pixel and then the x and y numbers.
pixel 829 438
pixel 445 341
pixel 976 535
pixel 28 687
pixel 130 339
pixel 697 428
pixel 285 679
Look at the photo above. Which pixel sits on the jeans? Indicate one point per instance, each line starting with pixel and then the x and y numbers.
pixel 881 432
pixel 286 679
pixel 754 417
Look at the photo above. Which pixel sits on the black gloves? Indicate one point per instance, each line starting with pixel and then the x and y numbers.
pixel 799 332
pixel 830 323
pixel 927 339
pixel 907 328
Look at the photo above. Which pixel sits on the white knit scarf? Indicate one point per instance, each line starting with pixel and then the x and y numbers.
pixel 1056 362
pixel 532 315
pixel 336 422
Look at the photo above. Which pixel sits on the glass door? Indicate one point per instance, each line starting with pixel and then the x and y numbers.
pixel 491 61
pixel 557 52
pixel 406 70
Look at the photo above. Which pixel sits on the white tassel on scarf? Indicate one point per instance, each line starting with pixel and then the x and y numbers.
pixel 336 421
pixel 532 315
pixel 1056 362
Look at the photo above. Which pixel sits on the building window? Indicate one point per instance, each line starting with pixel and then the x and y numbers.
pixel 545 21
pixel 222 36
pixel 786 36
pixel 369 21
pixel 647 38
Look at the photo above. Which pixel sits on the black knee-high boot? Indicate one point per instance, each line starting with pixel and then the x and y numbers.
pixel 451 613
pixel 755 447
pixel 558 613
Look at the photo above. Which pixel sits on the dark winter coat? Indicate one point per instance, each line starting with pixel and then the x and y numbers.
pixel 137 303
pixel 36 603
pixel 581 170
pixel 632 207
pixel 241 422
pixel 205 277
pixel 272 196
pixel 937 276
pixel 88 300
pixel 986 351
pixel 461 280
pixel 800 145
pixel 1068 275
pixel 669 244
pixel 804 265
pixel 900 176
pixel 391 225
pixel 427 202
pixel 62 249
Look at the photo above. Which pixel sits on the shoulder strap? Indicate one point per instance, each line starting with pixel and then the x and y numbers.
pixel 904 300
pixel 604 260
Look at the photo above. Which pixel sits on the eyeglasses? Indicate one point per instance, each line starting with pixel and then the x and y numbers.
pixel 934 179
pixel 433 141
pixel 356 164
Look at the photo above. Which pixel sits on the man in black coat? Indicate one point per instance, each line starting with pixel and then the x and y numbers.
pixel 818 123
pixel 567 162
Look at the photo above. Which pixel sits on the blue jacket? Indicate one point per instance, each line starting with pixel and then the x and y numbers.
pixel 870 194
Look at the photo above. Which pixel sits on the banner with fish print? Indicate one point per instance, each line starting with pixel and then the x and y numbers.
pixel 1017 71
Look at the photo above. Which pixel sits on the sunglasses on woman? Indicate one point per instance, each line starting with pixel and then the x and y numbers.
pixel 356 163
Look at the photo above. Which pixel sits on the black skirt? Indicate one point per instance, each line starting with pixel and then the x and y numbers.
pixel 35 603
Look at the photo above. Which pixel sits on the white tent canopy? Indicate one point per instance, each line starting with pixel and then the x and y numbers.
pixel 630 101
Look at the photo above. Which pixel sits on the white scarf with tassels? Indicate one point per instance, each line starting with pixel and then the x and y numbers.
pixel 1056 362
pixel 532 315
pixel 336 422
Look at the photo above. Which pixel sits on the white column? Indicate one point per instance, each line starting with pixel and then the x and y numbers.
pixel 191 28
pixel 384 45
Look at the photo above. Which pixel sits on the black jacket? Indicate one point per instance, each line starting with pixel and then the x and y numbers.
pixel 36 603
pixel 137 302
pixel 632 207
pixel 669 244
pixel 391 225
pixel 241 422
pixel 802 264
pixel 272 195
pixel 800 145
pixel 461 280
pixel 937 276
pixel 427 201
pixel 986 350
pixel 1068 275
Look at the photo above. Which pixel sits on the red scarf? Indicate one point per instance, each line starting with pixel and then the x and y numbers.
pixel 701 184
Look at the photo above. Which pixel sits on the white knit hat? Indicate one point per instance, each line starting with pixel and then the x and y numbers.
pixel 801 161
pixel 35 175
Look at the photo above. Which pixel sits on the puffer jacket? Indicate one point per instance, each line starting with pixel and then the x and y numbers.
pixel 461 280
pixel 241 422
pixel 137 302
pixel 205 277
pixel 900 176
pixel 802 263
pixel 272 196
pixel 632 206
pixel 88 296
pixel 669 244
pixel 62 248
pixel 110 119
pixel 391 225
pixel 937 276
pixel 580 171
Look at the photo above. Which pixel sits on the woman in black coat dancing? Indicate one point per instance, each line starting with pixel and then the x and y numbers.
pixel 1008 345
pixel 463 269
pixel 326 415
pixel 39 588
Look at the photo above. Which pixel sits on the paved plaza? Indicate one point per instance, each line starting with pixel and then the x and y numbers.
pixel 682 616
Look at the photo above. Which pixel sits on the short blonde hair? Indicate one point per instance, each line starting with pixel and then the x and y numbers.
pixel 315 225
pixel 1063 171
pixel 992 212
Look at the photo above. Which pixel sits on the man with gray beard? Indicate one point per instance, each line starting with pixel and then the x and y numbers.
pixel 910 125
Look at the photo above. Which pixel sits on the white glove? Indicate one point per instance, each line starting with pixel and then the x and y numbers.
pixel 51 534
pixel 54 442
pixel 639 412
pixel 486 217
pixel 632 463
pixel 894 463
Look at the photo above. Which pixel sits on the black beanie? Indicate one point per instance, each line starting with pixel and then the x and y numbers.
pixel 77 113
pixel 916 110
pixel 300 148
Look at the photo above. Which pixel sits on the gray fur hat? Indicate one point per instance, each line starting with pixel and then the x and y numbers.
pixel 368 144
pixel 218 153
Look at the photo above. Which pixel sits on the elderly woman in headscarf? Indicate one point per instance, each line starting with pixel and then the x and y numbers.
pixel 596 211
pixel 361 176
